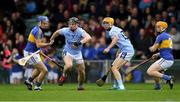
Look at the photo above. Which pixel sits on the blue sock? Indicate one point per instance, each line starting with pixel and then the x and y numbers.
pixel 157 85
pixel 166 77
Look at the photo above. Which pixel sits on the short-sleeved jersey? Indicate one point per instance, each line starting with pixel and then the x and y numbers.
pixel 123 43
pixel 35 34
pixel 71 37
pixel 165 46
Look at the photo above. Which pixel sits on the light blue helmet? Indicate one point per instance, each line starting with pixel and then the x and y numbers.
pixel 42 18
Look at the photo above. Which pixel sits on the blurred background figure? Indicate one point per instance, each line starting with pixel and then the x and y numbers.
pixel 17 70
pixel 6 64
pixel 176 42
pixel 53 70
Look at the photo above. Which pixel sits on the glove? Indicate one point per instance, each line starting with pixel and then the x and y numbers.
pixel 77 44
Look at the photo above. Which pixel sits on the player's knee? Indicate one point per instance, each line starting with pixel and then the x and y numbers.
pixel 45 70
pixel 68 66
pixel 149 72
pixel 81 71
pixel 114 68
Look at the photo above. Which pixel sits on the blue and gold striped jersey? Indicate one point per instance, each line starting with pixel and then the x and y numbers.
pixel 165 46
pixel 35 34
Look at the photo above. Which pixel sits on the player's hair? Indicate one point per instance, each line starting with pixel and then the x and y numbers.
pixel 73 20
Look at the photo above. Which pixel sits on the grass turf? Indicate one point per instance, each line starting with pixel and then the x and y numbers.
pixel 68 92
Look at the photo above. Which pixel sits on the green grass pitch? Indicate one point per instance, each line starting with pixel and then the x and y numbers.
pixel 68 92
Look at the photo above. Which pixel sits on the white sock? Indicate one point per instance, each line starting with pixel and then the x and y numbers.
pixel 120 84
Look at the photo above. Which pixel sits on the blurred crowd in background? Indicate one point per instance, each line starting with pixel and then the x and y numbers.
pixel 136 17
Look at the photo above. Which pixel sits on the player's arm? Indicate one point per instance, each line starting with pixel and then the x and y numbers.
pixel 38 39
pixel 55 34
pixel 40 44
pixel 86 38
pixel 113 42
pixel 155 56
pixel 158 41
pixel 154 47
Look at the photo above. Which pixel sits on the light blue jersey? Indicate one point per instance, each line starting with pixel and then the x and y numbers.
pixel 123 43
pixel 71 37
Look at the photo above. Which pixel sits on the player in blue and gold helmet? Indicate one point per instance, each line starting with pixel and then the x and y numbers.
pixel 163 43
pixel 34 44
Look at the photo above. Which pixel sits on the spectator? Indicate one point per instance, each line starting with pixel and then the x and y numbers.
pixel 176 42
pixel 28 71
pixel 20 45
pixel 17 70
pixel 75 10
pixel 89 52
pixel 1 32
pixel 134 31
pixel 100 48
pixel 108 11
pixel 9 29
pixel 93 13
pixel 58 15
pixel 31 7
pixel 165 16
pixel 142 52
pixel 174 23
pixel 18 23
pixel 145 4
pixel 122 14
pixel 52 68
pixel 6 64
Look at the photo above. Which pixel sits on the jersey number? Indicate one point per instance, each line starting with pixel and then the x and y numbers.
pixel 123 35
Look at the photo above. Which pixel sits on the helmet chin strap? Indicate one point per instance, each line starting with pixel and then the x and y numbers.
pixel 39 23
pixel 110 26
pixel 109 29
pixel 162 29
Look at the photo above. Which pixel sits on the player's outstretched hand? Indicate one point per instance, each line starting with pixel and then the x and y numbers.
pixel 106 50
pixel 51 42
pixel 155 56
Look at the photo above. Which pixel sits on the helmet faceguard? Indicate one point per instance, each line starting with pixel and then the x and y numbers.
pixel 108 22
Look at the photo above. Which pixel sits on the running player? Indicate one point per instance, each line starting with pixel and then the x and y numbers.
pixel 34 44
pixel 75 38
pixel 164 44
pixel 125 47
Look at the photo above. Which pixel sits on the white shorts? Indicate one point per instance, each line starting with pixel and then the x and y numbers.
pixel 52 75
pixel 77 57
pixel 18 75
pixel 126 56
pixel 34 59
pixel 28 72
pixel 165 64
